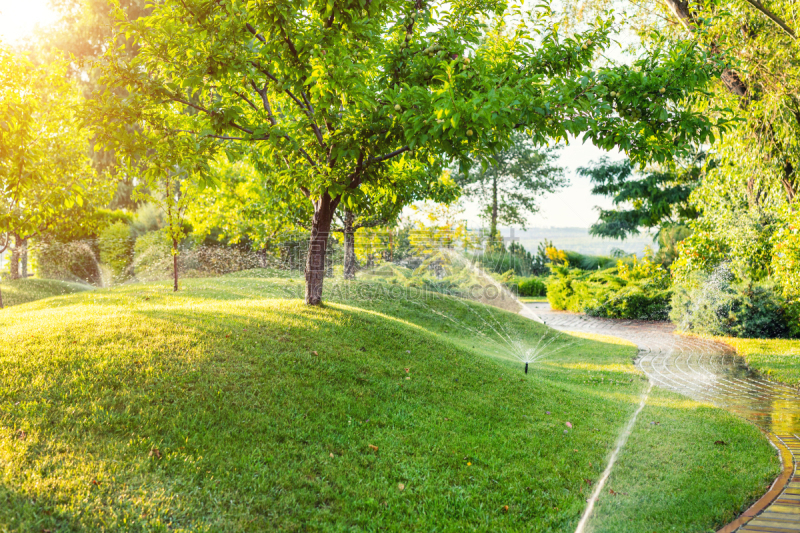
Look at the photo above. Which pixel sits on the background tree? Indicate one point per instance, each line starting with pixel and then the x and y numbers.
pixel 330 92
pixel 166 171
pixel 655 198
pixel 761 79
pixel 82 33
pixel 5 241
pixel 508 187
pixel 375 208
pixel 44 165
pixel 246 207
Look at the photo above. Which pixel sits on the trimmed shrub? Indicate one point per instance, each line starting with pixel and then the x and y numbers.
pixel 531 287
pixel 67 261
pixel 634 301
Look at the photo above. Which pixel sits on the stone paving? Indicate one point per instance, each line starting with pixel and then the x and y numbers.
pixel 711 371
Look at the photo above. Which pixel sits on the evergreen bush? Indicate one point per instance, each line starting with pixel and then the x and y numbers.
pixel 717 304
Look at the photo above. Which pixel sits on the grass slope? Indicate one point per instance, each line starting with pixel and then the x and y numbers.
pixel 228 407
pixel 20 291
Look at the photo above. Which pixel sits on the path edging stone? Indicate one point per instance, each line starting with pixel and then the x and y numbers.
pixel 787 459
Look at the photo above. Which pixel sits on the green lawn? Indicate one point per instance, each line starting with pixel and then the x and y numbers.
pixel 671 470
pixel 231 407
pixel 20 291
pixel 532 299
pixel 778 359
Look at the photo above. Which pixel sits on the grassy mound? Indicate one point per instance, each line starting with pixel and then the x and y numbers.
pixel 20 291
pixel 229 407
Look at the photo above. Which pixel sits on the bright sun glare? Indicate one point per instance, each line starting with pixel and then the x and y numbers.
pixel 18 18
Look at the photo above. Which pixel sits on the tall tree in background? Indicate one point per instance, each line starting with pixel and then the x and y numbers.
pixel 82 33
pixel 655 198
pixel 247 205
pixel 169 165
pixel 508 187
pixel 44 165
pixel 349 99
pixel 5 241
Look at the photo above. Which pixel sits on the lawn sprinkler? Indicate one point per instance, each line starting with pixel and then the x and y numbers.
pixel 526 368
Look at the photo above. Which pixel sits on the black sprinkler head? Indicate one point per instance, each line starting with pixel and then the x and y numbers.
pixel 526 368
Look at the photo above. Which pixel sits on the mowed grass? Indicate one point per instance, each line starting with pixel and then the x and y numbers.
pixel 777 359
pixel 671 476
pixel 20 291
pixel 232 407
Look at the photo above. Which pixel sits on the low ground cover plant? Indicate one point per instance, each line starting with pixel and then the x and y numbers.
pixel 640 290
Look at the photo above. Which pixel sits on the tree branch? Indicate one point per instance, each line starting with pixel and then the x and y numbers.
pixel 208 112
pixel 774 18
pixel 263 71
pixel 289 42
pixel 257 35
pixel 246 99
pixel 309 110
pixel 730 78
pixel 265 101
pixel 306 107
pixel 389 155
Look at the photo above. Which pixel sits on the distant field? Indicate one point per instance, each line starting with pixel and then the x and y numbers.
pixel 578 240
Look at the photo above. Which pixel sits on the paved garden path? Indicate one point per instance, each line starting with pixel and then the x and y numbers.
pixel 711 371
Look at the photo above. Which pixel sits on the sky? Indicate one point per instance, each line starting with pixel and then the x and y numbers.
pixel 573 206
pixel 18 18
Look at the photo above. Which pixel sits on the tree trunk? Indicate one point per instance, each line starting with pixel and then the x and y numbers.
pixel 14 261
pixel 493 230
pixel 23 257
pixel 349 246
pixel 174 265
pixel 324 209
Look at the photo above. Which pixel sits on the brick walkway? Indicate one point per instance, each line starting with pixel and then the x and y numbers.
pixel 711 371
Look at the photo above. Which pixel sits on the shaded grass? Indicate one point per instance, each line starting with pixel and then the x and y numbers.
pixel 671 476
pixel 230 407
pixel 20 291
